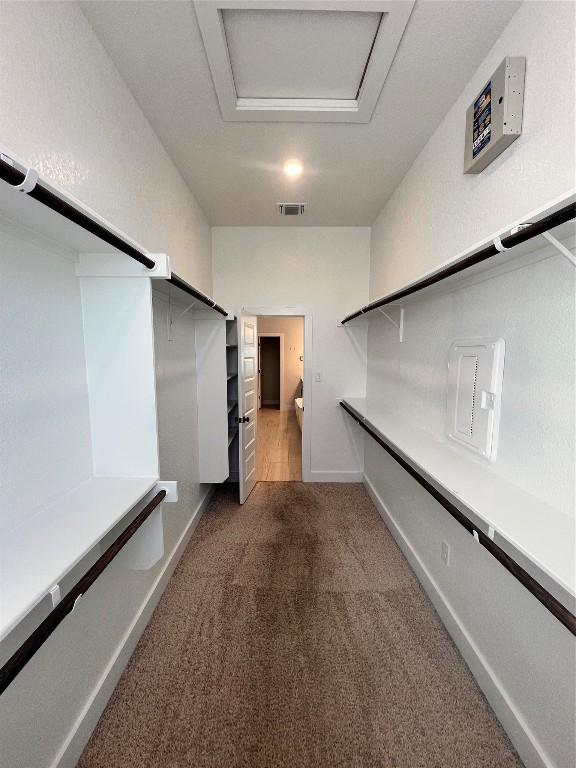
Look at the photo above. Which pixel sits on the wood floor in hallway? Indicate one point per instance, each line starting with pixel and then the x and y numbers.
pixel 293 634
pixel 278 445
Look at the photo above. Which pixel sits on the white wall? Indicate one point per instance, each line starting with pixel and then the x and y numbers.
pixel 437 211
pixel 49 711
pixel 325 271
pixel 531 306
pixel 497 624
pixel 31 275
pixel 67 112
pixel 177 404
pixel 293 330
pixel 522 656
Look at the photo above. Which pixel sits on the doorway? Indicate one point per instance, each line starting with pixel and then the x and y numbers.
pixel 269 375
pixel 280 403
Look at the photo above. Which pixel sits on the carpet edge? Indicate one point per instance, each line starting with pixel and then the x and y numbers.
pixel 80 733
pixel 518 731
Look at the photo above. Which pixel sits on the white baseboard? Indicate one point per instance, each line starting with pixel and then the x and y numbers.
pixel 334 476
pixel 515 726
pixel 81 731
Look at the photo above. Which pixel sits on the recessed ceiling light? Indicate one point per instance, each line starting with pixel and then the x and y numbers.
pixel 292 167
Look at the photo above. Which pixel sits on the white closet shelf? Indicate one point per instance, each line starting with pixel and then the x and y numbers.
pixel 537 536
pixel 94 235
pixel 231 405
pixel 38 555
pixel 518 239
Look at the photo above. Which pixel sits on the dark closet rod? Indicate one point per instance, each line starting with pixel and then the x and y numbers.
pixel 26 651
pixel 561 216
pixel 43 195
pixel 184 286
pixel 540 593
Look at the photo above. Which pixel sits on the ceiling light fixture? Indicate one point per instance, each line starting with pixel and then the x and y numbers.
pixel 292 168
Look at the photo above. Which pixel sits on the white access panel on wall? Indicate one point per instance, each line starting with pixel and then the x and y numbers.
pixel 475 369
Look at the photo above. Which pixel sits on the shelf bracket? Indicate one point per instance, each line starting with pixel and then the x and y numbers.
pixel 398 325
pixel 560 247
pixel 173 320
pixel 193 304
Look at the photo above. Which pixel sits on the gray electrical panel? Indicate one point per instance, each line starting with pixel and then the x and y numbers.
pixel 494 119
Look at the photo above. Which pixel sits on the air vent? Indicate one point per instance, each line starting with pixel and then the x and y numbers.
pixel 290 209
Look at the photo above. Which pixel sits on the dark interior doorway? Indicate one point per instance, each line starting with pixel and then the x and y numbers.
pixel 270 371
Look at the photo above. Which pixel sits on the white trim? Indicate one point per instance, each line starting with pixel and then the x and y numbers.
pixel 120 265
pixel 306 376
pixel 359 110
pixel 336 476
pixel 79 734
pixel 516 727
pixel 281 337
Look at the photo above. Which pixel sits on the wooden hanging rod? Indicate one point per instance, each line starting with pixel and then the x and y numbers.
pixel 555 607
pixel 187 288
pixel 34 642
pixel 527 232
pixel 14 176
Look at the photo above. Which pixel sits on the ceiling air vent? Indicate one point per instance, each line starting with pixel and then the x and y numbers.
pixel 290 209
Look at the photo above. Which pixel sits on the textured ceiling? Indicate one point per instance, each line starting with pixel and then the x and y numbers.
pixel 234 169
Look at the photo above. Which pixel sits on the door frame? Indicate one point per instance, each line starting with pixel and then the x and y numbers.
pixel 306 376
pixel 281 337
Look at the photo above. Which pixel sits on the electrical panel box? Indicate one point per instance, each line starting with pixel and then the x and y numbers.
pixel 475 371
pixel 494 119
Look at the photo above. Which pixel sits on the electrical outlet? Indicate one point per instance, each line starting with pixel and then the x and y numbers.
pixel 445 553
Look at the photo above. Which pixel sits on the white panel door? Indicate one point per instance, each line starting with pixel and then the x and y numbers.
pixel 247 403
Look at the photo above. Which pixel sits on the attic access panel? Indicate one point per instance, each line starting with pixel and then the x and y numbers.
pixel 300 60
pixel 303 68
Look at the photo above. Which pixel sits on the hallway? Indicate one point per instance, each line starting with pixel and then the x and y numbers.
pixel 293 633
pixel 278 446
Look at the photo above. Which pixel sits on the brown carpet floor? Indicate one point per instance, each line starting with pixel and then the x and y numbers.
pixel 294 634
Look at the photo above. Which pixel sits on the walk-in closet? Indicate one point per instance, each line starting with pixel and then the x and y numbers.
pixel 288 384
